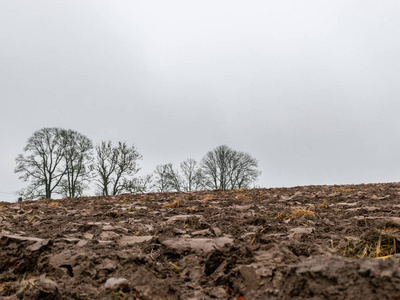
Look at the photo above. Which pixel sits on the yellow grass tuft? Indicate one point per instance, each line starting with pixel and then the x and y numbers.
pixel 31 219
pixel 323 205
pixel 53 204
pixel 174 204
pixel 301 212
pixel 281 216
pixel 208 198
pixel 243 197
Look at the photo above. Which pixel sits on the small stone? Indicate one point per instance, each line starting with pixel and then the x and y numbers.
pixel 303 230
pixel 105 242
pixel 108 235
pixel 108 227
pixel 297 233
pixel 116 283
pixel 183 217
pixel 201 232
pixel 130 240
pixel 88 236
pixel 39 245
pixel 46 284
pixel 216 231
pixel 141 207
pixel 198 244
pixel 82 243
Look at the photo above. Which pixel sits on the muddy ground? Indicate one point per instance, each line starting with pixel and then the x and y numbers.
pixel 320 242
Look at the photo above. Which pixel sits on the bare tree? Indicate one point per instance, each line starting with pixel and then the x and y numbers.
pixel 175 180
pixel 115 165
pixel 224 168
pixel 188 178
pixel 41 164
pixel 162 181
pixel 78 160
pixel 138 185
pixel 243 171
pixel 192 177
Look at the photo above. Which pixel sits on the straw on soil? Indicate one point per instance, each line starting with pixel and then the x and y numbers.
pixel 174 204
pixel 301 212
pixel 382 245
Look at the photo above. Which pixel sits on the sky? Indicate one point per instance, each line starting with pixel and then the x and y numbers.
pixel 310 88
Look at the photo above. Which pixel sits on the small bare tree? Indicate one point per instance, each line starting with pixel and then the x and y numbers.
pixel 41 164
pixel 188 178
pixel 162 182
pixel 78 160
pixel 192 177
pixel 175 180
pixel 114 166
pixel 139 185
pixel 224 168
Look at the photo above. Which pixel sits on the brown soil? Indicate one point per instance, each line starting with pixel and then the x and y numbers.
pixel 320 242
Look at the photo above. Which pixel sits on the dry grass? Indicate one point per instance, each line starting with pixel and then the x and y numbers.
pixel 31 219
pixel 343 190
pixel 323 205
pixel 208 198
pixel 297 212
pixel 382 245
pixel 281 216
pixel 301 212
pixel 391 229
pixel 174 204
pixel 3 285
pixel 244 197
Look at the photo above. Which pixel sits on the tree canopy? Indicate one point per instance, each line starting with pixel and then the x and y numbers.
pixel 225 168
pixel 114 166
pixel 55 160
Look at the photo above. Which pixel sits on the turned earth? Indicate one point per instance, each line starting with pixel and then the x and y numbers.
pixel 319 242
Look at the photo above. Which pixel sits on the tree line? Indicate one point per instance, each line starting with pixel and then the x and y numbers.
pixel 65 162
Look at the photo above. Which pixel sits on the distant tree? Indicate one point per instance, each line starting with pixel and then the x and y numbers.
pixel 162 181
pixel 175 180
pixel 224 168
pixel 42 163
pixel 139 185
pixel 78 160
pixel 56 161
pixel 188 178
pixel 192 176
pixel 114 166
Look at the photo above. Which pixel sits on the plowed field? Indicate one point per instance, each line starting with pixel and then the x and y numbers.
pixel 320 242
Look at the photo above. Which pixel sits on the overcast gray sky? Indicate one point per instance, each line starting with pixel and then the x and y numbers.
pixel 309 88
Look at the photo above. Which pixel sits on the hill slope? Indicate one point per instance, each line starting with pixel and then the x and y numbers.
pixel 314 241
